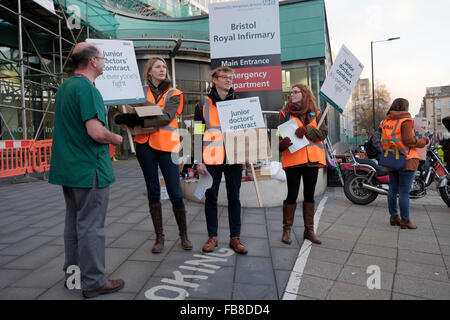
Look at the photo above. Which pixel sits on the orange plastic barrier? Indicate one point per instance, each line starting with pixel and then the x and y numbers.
pixel 15 157
pixel 18 157
pixel 41 153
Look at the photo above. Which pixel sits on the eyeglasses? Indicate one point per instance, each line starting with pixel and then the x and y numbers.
pixel 295 92
pixel 99 57
pixel 226 77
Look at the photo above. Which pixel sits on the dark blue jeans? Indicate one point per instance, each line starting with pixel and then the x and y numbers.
pixel 400 184
pixel 233 177
pixel 149 159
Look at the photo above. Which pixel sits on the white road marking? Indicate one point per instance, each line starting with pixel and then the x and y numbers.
pixel 297 272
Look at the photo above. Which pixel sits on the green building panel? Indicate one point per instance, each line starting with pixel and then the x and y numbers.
pixel 189 29
pixel 9 38
pixel 302 28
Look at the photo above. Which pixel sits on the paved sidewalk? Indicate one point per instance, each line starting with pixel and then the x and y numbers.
pixel 414 264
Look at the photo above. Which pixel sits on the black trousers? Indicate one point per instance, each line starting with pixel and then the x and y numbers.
pixel 233 177
pixel 294 176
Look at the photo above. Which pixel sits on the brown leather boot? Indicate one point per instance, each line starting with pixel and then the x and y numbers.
pixel 109 287
pixel 407 224
pixel 394 220
pixel 156 214
pixel 288 220
pixel 308 219
pixel 210 244
pixel 180 217
pixel 237 246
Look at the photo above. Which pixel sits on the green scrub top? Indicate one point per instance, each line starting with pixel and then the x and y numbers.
pixel 75 155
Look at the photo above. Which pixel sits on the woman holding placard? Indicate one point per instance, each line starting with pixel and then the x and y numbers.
pixel 304 162
pixel 160 148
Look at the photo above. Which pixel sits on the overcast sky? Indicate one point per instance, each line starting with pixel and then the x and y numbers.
pixel 419 59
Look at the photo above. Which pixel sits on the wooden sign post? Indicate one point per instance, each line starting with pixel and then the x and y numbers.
pixel 130 137
pixel 256 185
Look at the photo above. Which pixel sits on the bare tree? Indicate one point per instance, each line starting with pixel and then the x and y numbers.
pixel 365 113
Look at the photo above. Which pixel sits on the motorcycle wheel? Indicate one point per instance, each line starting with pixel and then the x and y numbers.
pixel 445 193
pixel 357 194
pixel 418 189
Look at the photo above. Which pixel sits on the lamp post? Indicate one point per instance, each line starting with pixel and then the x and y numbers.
pixel 373 84
pixel 356 126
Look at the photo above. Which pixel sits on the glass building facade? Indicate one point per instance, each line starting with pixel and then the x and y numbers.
pixel 306 58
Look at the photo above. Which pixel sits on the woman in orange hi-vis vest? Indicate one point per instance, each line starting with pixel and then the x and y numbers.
pixel 398 131
pixel 160 148
pixel 304 162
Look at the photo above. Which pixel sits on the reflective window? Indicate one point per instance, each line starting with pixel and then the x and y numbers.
pixel 308 73
pixel 190 100
pixel 189 85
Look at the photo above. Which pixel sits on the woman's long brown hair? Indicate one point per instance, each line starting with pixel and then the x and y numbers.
pixel 308 99
pixel 149 65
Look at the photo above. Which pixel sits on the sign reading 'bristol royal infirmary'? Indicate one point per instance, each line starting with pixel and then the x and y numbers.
pixel 341 80
pixel 245 35
pixel 120 82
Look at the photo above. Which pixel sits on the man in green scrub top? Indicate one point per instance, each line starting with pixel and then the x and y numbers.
pixel 81 165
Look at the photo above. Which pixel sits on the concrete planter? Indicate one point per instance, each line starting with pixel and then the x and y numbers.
pixel 272 191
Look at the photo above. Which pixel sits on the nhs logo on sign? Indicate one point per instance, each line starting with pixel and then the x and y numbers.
pixel 269 2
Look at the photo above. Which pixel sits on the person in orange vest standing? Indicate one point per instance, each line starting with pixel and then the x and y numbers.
pixel 398 130
pixel 304 162
pixel 214 161
pixel 160 148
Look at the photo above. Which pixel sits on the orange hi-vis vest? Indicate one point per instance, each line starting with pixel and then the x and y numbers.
pixel 167 137
pixel 392 135
pixel 213 145
pixel 313 152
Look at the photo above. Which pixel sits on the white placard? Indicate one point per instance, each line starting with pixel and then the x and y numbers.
pixel 240 114
pixel 421 131
pixel 341 80
pixel 47 4
pixel 288 129
pixel 120 82
pixel 244 28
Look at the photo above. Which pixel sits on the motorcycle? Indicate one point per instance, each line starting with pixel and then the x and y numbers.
pixel 364 179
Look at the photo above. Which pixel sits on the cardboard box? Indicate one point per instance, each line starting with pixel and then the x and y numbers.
pixel 142 110
pixel 263 174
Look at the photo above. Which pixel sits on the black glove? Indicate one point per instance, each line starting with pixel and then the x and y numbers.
pixel 300 132
pixel 284 144
pixel 129 119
